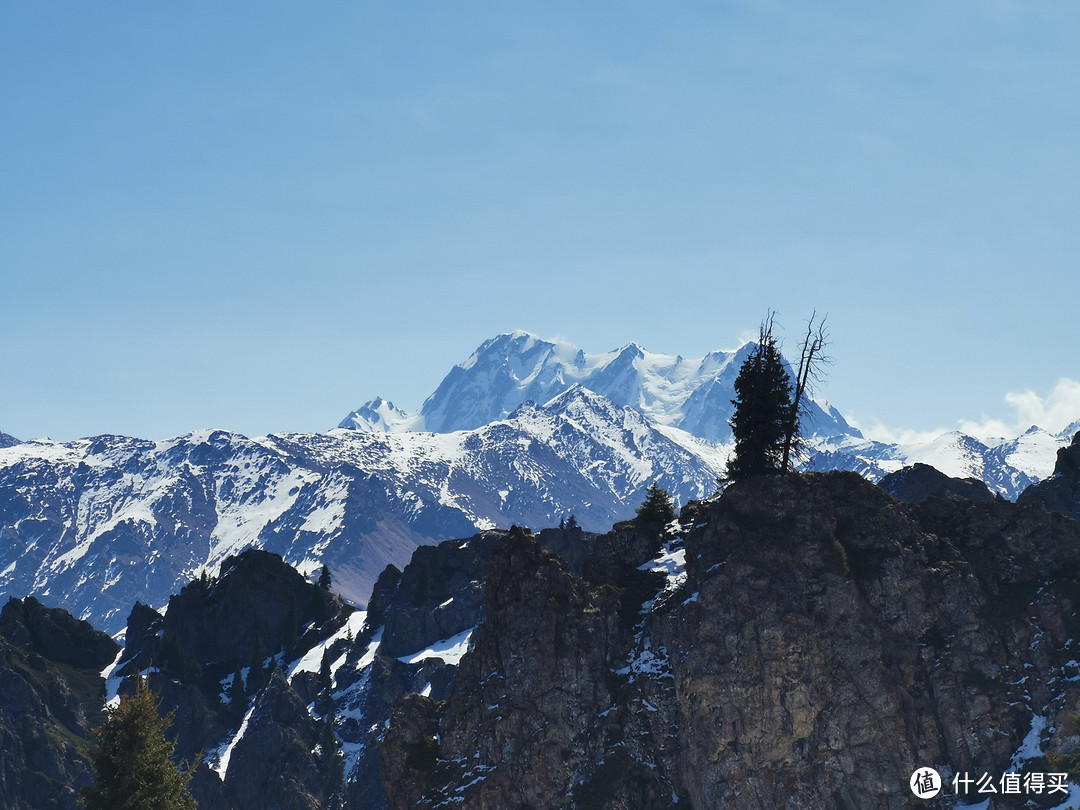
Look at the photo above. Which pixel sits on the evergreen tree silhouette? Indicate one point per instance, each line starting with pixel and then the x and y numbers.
pixel 132 759
pixel 761 423
pixel 657 508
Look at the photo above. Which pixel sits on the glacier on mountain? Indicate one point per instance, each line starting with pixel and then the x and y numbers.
pixel 691 394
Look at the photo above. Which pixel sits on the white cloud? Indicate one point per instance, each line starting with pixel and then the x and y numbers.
pixel 1053 413
pixel 882 433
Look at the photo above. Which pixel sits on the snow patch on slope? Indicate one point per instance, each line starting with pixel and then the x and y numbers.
pixel 450 650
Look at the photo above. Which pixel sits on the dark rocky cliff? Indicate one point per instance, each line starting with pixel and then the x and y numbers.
pixel 216 659
pixel 51 695
pixel 919 482
pixel 1061 491
pixel 825 642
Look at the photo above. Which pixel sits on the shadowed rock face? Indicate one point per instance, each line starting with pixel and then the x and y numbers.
pixel 1061 491
pixel 257 611
pixel 842 639
pixel 51 694
pixel 827 641
pixel 525 701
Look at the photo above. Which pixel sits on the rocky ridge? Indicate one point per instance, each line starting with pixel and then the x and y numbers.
pixel 99 524
pixel 919 482
pixel 821 642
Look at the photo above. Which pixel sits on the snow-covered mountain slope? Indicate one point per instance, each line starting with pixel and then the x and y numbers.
pixel 97 524
pixel 693 397
pixel 1007 466
pixel 510 369
pixel 381 416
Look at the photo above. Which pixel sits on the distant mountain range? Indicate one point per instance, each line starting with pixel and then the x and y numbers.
pixel 525 432
pixel 695 396
pixel 96 524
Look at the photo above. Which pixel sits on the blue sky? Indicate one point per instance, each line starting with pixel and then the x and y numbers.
pixel 259 216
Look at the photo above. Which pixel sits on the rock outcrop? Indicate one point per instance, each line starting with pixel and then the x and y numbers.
pixel 918 482
pixel 415 617
pixel 215 658
pixel 51 696
pixel 822 642
pixel 1061 491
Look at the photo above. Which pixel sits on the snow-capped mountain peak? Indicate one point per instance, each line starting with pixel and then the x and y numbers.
pixel 693 394
pixel 381 416
pixel 1067 434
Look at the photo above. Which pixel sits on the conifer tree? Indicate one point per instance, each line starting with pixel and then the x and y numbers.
pixel 132 759
pixel 324 578
pixel 657 508
pixel 761 423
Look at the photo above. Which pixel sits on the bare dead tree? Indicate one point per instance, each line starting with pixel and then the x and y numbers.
pixel 811 359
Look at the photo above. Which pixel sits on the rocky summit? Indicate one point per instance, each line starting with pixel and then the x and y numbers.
pixel 799 641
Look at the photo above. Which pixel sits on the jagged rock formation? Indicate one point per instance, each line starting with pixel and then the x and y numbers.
pixel 51 695
pixel 1061 491
pixel 918 482
pixel 419 623
pixel 266 673
pixel 274 763
pixel 217 657
pixel 822 642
